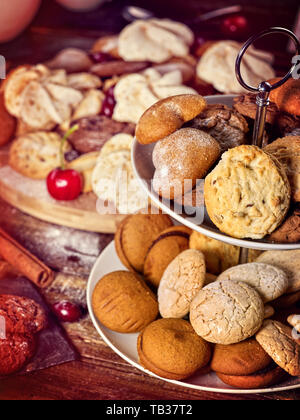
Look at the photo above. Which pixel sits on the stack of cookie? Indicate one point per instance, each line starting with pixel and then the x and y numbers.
pixel 238 322
pixel 190 139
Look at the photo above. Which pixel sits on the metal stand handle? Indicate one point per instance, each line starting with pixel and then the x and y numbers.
pixel 265 88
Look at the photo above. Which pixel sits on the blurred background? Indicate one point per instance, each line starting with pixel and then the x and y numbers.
pixel 54 25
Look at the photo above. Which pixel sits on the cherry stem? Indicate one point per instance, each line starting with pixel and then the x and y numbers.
pixel 63 141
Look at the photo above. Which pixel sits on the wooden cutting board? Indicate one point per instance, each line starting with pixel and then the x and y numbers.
pixel 31 197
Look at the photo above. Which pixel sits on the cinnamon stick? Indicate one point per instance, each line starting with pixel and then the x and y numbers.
pixel 26 263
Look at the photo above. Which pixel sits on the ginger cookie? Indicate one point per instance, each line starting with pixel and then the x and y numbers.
pixel 123 302
pixel 269 376
pixel 135 235
pixel 240 359
pixel 171 349
pixel 165 248
pixel 276 339
pixel 248 194
pixel 181 282
pixel 227 312
pixel 270 282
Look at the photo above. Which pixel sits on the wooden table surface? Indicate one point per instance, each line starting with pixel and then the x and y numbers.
pixel 100 373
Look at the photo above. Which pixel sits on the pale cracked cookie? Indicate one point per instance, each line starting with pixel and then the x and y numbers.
pixel 227 312
pixel 248 194
pixel 270 282
pixel 289 262
pixel 181 282
pixel 276 339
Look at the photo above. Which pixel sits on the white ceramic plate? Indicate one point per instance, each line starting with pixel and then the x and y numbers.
pixel 144 171
pixel 125 345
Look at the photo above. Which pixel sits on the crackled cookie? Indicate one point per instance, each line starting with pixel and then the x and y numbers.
pixel 227 312
pixel 164 249
pixel 36 155
pixel 136 234
pixel 123 303
pixel 269 281
pixel 167 116
pixel 185 155
pixel 276 339
pixel 289 262
pixel 171 349
pixel 181 282
pixel 241 359
pixel 248 194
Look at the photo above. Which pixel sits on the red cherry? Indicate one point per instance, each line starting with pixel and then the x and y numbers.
pixel 64 185
pixel 67 311
pixel 108 106
pixel 101 57
pixel 235 26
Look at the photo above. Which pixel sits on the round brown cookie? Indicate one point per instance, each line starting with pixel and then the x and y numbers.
pixel 246 105
pixel 287 96
pixel 272 375
pixel 167 245
pixel 167 116
pixel 240 359
pixel 183 156
pixel 135 235
pixel 227 312
pixel 123 302
pixel 238 196
pixel 224 124
pixel 276 339
pixel 289 231
pixel 180 283
pixel 171 349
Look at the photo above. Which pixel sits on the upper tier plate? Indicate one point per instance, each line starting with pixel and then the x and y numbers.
pixel 144 170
